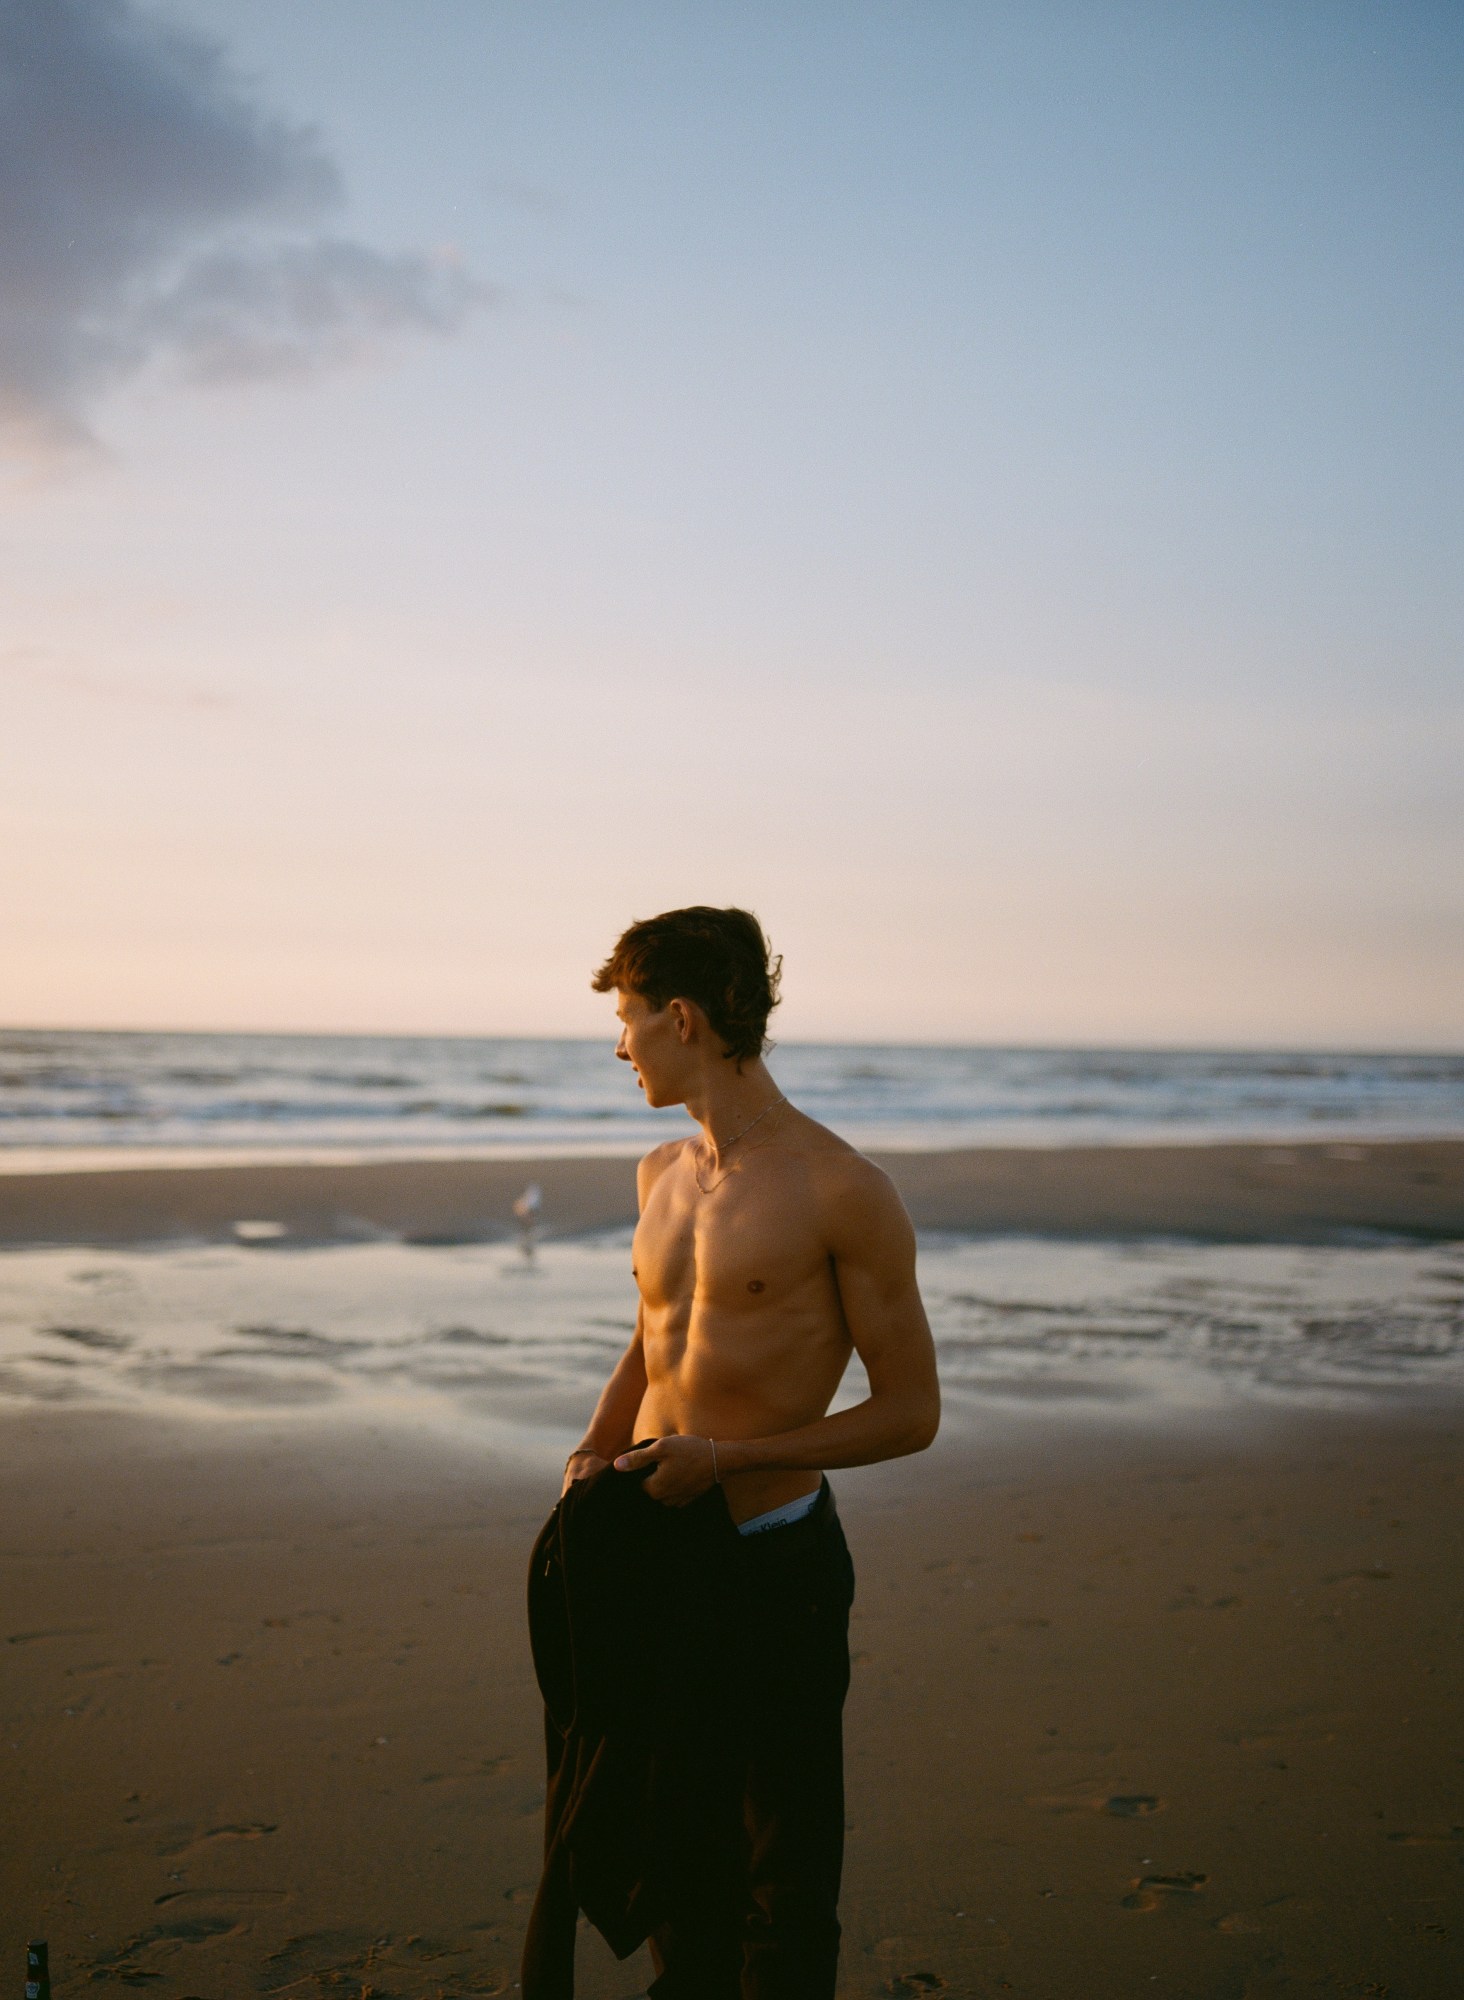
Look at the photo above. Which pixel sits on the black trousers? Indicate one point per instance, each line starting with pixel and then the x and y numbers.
pixel 761 1921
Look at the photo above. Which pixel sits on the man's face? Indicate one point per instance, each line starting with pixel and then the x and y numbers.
pixel 651 1043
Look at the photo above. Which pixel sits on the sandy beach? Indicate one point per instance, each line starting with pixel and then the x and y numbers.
pixel 1155 1683
pixel 1236 1193
pixel 1177 1714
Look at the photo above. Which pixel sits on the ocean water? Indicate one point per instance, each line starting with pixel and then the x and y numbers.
pixel 508 1353
pixel 115 1096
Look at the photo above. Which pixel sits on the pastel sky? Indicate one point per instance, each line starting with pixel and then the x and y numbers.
pixel 978 484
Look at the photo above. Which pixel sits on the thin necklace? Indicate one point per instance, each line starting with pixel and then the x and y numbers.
pixel 728 1144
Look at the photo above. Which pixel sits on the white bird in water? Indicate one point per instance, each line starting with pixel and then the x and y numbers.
pixel 526 1208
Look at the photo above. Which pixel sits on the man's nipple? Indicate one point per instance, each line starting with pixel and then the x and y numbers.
pixel 756 1285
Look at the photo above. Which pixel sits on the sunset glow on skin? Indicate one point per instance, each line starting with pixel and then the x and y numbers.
pixel 977 486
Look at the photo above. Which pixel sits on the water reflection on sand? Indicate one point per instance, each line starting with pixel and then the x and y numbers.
pixel 474 1336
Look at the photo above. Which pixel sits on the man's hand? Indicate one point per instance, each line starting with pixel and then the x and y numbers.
pixel 683 1468
pixel 584 1465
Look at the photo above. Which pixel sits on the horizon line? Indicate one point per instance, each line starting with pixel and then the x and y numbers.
pixel 1148 1047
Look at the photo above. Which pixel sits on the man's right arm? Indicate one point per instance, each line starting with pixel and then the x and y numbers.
pixel 611 1429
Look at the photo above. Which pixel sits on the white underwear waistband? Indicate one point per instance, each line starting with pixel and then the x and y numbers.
pixel 778 1517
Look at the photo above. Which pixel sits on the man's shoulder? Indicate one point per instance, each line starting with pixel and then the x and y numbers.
pixel 841 1172
pixel 860 1215
pixel 653 1164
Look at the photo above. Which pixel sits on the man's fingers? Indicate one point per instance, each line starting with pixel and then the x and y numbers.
pixel 655 1489
pixel 632 1461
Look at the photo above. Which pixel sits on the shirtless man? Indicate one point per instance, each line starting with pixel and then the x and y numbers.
pixel 767 1251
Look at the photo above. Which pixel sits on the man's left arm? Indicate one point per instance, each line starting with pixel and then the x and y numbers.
pixel 873 1248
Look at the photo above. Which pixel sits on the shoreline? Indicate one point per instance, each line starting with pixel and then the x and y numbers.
pixel 1316 1192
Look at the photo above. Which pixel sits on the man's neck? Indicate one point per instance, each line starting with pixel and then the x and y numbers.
pixel 725 1104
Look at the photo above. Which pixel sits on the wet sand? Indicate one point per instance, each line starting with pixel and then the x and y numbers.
pixel 1131 1712
pixel 1222 1193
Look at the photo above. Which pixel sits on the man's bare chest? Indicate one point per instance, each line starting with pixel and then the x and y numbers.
pixel 736 1245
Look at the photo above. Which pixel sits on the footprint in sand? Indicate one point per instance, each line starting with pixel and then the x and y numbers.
pixel 896 1948
pixel 140 1960
pixel 1133 1805
pixel 1152 1892
pixel 1085 1796
pixel 184 1839
pixel 334 1960
pixel 239 1899
pixel 319 1954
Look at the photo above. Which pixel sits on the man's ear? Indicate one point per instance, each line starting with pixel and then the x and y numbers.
pixel 681 1014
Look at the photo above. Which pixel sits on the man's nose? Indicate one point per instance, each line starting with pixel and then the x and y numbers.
pixel 621 1050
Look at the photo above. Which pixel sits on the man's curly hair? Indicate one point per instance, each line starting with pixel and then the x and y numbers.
pixel 718 958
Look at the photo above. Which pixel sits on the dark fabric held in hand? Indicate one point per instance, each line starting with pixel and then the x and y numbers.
pixel 632 1609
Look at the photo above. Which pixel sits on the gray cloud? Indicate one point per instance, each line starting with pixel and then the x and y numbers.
pixel 290 308
pixel 153 214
